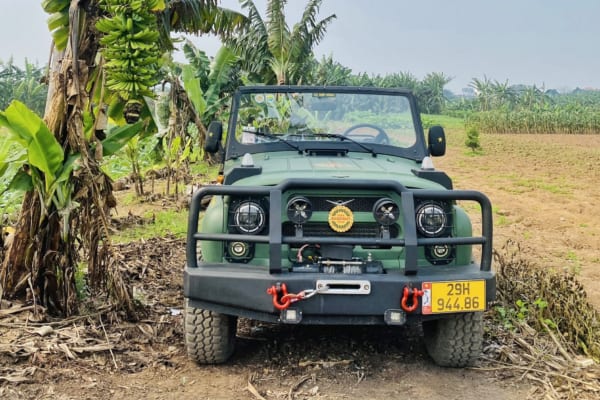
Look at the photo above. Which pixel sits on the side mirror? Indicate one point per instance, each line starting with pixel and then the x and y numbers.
pixel 437 141
pixel 213 137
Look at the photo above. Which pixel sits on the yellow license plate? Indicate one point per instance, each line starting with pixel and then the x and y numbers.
pixel 453 296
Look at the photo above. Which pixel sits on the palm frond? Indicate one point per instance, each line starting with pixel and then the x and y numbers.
pixel 303 39
pixel 228 22
pixel 221 66
pixel 251 45
pixel 220 73
pixel 192 84
pixel 196 17
pixel 310 12
pixel 315 35
pixel 199 62
pixel 278 31
pixel 254 20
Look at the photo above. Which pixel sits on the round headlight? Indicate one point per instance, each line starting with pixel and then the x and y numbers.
pixel 431 219
pixel 386 211
pixel 299 210
pixel 249 217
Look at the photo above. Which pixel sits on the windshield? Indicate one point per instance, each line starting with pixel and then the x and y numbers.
pixel 367 121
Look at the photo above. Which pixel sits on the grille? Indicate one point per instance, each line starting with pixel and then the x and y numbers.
pixel 358 230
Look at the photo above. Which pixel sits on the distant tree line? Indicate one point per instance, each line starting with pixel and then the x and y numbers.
pixel 24 84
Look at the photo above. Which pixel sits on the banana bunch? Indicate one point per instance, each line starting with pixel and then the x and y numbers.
pixel 130 46
pixel 58 22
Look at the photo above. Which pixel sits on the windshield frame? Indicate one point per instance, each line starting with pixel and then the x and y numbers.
pixel 234 149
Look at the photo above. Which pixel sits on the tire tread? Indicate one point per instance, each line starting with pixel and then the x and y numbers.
pixel 455 341
pixel 209 336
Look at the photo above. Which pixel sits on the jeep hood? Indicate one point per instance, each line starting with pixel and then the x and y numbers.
pixel 277 167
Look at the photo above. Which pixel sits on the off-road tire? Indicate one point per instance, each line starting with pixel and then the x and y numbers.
pixel 209 336
pixel 455 341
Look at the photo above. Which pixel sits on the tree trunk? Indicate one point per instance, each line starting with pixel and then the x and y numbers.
pixel 15 276
pixel 42 260
pixel 39 265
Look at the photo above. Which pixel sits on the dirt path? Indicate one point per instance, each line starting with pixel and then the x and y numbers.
pixel 367 372
pixel 397 380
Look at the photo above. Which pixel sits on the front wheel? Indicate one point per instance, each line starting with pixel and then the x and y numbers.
pixel 209 336
pixel 455 341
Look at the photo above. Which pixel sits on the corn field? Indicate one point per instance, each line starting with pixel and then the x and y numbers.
pixel 499 107
pixel 556 120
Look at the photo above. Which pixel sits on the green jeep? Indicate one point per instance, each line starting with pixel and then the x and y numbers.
pixel 330 212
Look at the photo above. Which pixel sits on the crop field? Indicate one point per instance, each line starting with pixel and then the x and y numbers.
pixel 544 191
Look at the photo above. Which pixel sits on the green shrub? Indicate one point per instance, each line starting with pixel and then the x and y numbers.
pixel 472 140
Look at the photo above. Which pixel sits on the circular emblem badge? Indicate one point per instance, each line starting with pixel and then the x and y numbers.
pixel 341 218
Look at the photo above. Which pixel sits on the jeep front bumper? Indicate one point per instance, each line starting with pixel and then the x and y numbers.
pixel 241 289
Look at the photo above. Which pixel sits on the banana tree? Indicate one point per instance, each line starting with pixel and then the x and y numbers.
pixel 196 93
pixel 483 92
pixel 272 52
pixel 84 83
pixel 430 92
pixel 328 72
pixel 206 82
pixel 46 171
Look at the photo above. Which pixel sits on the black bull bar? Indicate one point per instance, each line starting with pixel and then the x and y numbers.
pixel 275 238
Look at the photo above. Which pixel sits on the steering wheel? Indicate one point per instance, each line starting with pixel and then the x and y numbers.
pixel 381 137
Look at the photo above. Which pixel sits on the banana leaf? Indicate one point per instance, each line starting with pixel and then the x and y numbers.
pixel 192 88
pixel 118 137
pixel 28 129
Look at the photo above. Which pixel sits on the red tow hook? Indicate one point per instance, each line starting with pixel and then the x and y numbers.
pixel 285 298
pixel 283 302
pixel 416 293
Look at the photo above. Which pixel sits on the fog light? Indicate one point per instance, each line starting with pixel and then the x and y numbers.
pixel 440 254
pixel 441 251
pixel 238 250
pixel 291 316
pixel 394 317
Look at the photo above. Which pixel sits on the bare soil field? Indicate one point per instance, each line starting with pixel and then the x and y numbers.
pixel 544 190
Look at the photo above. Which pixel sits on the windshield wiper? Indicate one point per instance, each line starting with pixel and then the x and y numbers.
pixel 275 137
pixel 342 138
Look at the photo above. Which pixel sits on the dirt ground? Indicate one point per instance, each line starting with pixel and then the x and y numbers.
pixel 544 190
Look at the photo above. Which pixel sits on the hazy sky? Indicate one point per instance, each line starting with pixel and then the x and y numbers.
pixel 555 43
